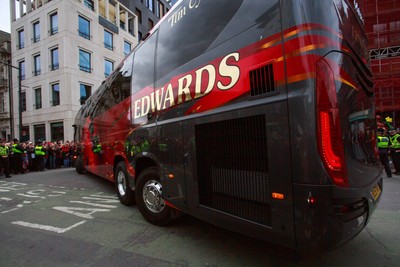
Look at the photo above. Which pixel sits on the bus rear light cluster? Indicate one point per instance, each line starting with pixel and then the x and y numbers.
pixel 330 143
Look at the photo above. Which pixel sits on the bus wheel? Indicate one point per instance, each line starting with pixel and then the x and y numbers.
pixel 79 165
pixel 125 194
pixel 149 198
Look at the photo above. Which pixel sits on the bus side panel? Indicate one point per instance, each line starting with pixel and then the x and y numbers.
pixel 171 158
pixel 235 162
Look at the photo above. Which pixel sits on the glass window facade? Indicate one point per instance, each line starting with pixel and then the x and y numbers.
pixel 108 40
pixel 55 94
pixel 36 32
pixel 57 131
pixel 108 67
pixel 89 4
pixel 36 67
pixel 21 66
pixel 85 92
pixel 23 101
pixel 127 48
pixel 84 27
pixel 2 101
pixel 53 23
pixel 38 98
pixel 25 133
pixel 21 39
pixel 54 59
pixel 84 61
pixel 40 132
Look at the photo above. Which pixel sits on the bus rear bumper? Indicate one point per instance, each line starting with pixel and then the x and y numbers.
pixel 333 217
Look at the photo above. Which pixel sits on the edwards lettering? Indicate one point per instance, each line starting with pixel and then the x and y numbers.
pixel 191 86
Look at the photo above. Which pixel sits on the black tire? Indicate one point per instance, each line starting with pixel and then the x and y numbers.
pixel 149 198
pixel 79 165
pixel 125 194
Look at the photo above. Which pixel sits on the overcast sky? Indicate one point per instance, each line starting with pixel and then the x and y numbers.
pixel 5 15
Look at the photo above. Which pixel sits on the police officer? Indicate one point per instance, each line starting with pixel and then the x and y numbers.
pixel 17 152
pixel 40 154
pixel 5 158
pixel 395 149
pixel 383 147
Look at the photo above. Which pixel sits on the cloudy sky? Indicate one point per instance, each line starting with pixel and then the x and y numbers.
pixel 5 15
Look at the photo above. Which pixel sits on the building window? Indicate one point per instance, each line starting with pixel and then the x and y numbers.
pixel 127 48
pixel 23 101
pixel 151 24
pixel 158 9
pixel 139 15
pixel 36 67
pixel 84 61
pixel 150 4
pixel 38 98
pixel 54 59
pixel 2 101
pixel 55 94
pixel 25 133
pixel 21 39
pixel 89 4
pixel 53 23
pixel 57 131
pixel 86 92
pixel 108 40
pixel 40 132
pixel 84 27
pixel 161 9
pixel 108 67
pixel 21 66
pixel 36 32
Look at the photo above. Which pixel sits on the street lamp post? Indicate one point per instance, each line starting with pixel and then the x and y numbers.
pixel 10 103
pixel 19 100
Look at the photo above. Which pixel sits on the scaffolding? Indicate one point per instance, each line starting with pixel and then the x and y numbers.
pixel 382 25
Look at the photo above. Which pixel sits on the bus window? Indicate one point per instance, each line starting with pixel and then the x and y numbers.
pixel 175 51
pixel 143 80
pixel 143 69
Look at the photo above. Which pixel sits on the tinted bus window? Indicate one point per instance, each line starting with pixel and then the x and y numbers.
pixel 116 88
pixel 143 68
pixel 174 50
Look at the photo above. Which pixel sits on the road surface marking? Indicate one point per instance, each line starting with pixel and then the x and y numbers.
pixel 47 227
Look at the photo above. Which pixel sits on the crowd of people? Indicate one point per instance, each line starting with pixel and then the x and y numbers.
pixel 23 157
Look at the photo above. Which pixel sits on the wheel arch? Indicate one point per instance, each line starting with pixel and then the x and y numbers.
pixel 140 163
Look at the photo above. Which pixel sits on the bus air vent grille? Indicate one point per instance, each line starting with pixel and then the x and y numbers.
pixel 232 168
pixel 262 81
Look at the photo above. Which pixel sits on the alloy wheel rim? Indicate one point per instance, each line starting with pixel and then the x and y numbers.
pixel 152 196
pixel 121 183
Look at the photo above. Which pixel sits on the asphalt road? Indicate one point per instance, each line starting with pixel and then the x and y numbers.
pixel 60 218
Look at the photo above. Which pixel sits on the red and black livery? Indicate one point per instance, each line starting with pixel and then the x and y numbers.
pixel 256 116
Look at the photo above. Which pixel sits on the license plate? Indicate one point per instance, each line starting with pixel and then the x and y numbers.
pixel 375 192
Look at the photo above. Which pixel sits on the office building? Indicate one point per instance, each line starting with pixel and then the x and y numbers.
pixel 63 50
pixel 5 79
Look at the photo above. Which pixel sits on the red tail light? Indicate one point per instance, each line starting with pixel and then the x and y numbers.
pixel 329 132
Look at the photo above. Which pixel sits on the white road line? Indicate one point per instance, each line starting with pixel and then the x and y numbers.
pixel 9 210
pixel 75 211
pixel 94 204
pixel 47 227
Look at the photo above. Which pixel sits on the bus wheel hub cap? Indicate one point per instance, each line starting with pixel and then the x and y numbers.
pixel 121 183
pixel 152 196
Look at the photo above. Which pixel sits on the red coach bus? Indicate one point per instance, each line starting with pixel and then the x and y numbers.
pixel 253 115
